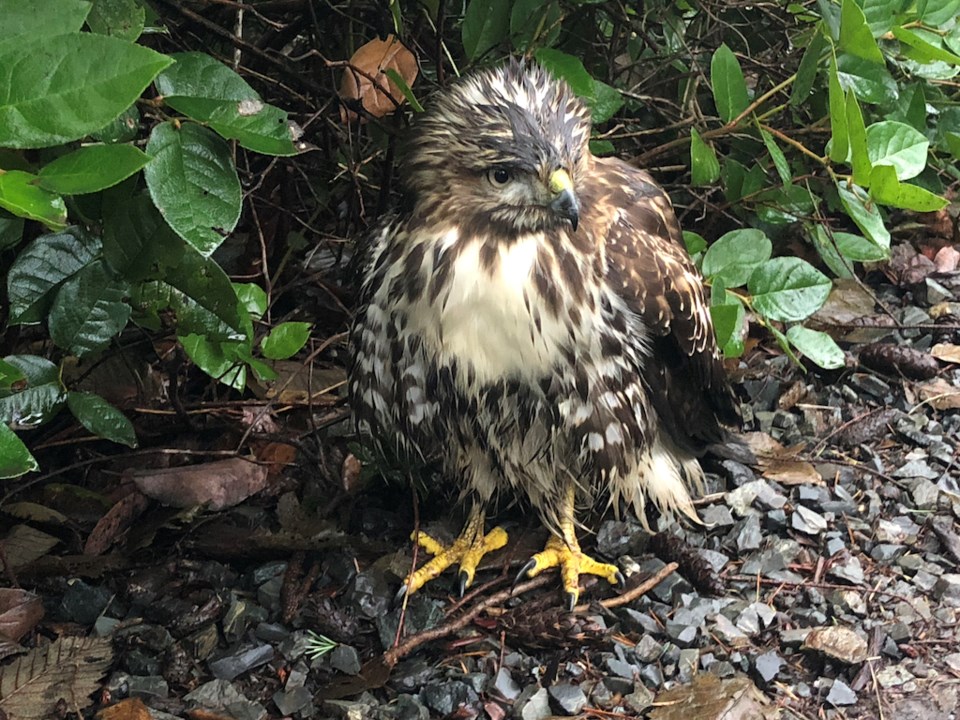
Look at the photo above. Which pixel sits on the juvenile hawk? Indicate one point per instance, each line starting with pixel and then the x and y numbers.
pixel 535 323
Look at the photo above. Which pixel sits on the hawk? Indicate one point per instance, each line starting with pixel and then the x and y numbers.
pixel 534 323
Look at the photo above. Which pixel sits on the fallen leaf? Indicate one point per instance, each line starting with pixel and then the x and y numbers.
pixel 25 544
pixel 129 709
pixel 299 384
pixel 940 394
pixel 946 352
pixel 220 484
pixel 114 522
pixel 370 61
pixel 779 463
pixel 20 611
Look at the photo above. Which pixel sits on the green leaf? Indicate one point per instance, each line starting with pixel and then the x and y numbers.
pixel 788 289
pixel 535 23
pixel 11 230
pixel 729 323
pixel 704 166
pixel 924 50
pixel 807 71
pixel 137 242
pixel 880 14
pixel 121 18
pixel 69 86
pixel 486 24
pixel 819 347
pixel 42 266
pixel 864 213
pixel 859 158
pixel 285 340
pixel 20 194
pixel 605 103
pixel 776 154
pixel 15 459
pixel 828 253
pixel 840 141
pixel 952 140
pixel 398 80
pixel 856 37
pixel 785 205
pixel 603 100
pixel 729 87
pixel 695 243
pixel 101 418
pixel 89 310
pixel 29 17
pixel 858 248
pixel 738 182
pixel 600 148
pixel 870 82
pixel 92 168
pixel 208 91
pixel 35 401
pixel 886 189
pixel 122 129
pixel 938 12
pixel 898 145
pixel 9 375
pixel 193 183
pixel 219 360
pixel 734 256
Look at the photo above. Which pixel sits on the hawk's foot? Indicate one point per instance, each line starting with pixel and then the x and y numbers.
pixel 563 551
pixel 466 551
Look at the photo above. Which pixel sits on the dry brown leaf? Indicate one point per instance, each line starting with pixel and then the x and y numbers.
pixel 299 384
pixel 779 463
pixel 114 522
pixel 20 611
pixel 220 484
pixel 940 393
pixel 370 61
pixel 946 352
pixel 35 512
pixel 70 668
pixel 129 709
pixel 25 544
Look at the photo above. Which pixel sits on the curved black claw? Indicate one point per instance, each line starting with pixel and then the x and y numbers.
pixel 530 565
pixel 571 600
pixel 621 580
pixel 463 582
pixel 398 598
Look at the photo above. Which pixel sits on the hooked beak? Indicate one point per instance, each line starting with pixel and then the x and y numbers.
pixel 564 202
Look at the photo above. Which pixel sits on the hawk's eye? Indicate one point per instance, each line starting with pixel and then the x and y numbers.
pixel 499 176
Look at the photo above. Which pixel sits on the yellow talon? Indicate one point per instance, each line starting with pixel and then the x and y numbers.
pixel 466 551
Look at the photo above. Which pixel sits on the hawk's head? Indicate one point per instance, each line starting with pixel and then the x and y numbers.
pixel 503 148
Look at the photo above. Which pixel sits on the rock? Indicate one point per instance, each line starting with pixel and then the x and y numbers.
pixel 947 589
pixel 535 707
pixel 709 698
pixel 567 699
pixel 220 694
pixel 147 687
pixel 233 666
pixel 445 697
pixel 504 684
pixel 847 568
pixel 837 642
pixel 807 521
pixel 768 665
pixel 291 701
pixel 345 659
pixel 894 676
pixel 841 694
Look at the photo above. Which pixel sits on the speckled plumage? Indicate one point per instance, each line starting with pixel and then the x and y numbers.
pixel 526 355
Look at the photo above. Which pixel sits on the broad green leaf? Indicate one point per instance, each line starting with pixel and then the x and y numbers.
pixel 735 255
pixel 704 166
pixel 859 158
pixel 807 71
pixel 9 375
pixel 898 145
pixel 69 86
pixel 122 129
pixel 923 50
pixel 91 168
pixel 193 183
pixel 260 369
pixel 29 17
pixel 880 14
pixel 695 243
pixel 601 148
pixel 952 140
pixel 785 205
pixel 121 18
pixel 407 92
pixel 208 91
pixel 15 459
pixel 938 12
pixel 486 24
pixel 11 230
pixel 285 340
pixel 817 346
pixel 858 248
pixel 253 298
pixel 603 100
pixel 729 323
pixel 137 242
pixel 776 154
pixel 912 108
pixel 840 140
pixel 886 189
pixel 101 418
pixel 89 310
pixel 864 213
pixel 788 289
pixel 827 251
pixel 856 37
pixel 729 87
pixel 870 82
pixel 42 266
pixel 219 360
pixel 738 182
pixel 21 195
pixel 35 401
pixel 535 23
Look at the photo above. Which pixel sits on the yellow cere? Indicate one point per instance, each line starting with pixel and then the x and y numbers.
pixel 560 181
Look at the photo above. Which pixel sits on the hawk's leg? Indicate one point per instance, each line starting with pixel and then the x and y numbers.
pixel 564 552
pixel 466 551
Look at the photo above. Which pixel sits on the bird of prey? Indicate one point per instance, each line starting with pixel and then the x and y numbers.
pixel 534 323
